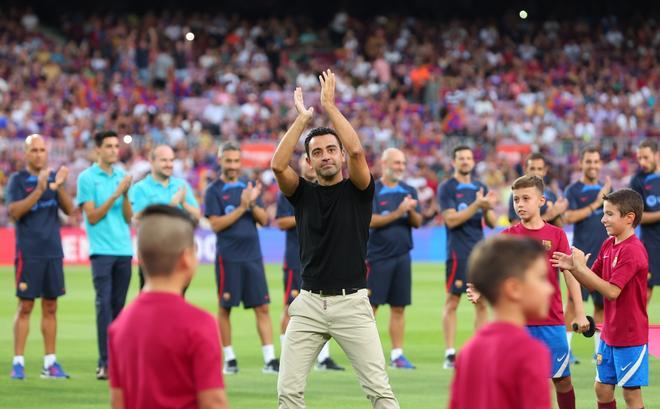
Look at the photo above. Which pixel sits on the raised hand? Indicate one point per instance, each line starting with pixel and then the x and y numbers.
pixel 60 178
pixel 492 199
pixel 256 192
pixel 575 261
pixel 482 201
pixel 607 187
pixel 306 113
pixel 246 196
pixel 407 204
pixel 178 197
pixel 42 179
pixel 561 205
pixel 123 186
pixel 327 80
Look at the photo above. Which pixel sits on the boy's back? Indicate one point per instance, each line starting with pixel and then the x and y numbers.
pixel 163 351
pixel 502 367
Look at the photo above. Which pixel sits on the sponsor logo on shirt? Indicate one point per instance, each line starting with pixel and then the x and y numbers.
pixel 459 195
pixel 225 197
pixel 383 203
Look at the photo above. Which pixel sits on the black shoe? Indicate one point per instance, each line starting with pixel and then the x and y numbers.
pixel 328 365
pixel 272 367
pixel 102 373
pixel 450 361
pixel 230 368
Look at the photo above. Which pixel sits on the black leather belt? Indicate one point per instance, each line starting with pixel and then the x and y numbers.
pixel 338 291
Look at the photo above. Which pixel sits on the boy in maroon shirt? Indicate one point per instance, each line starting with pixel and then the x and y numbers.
pixel 505 365
pixel 528 199
pixel 619 273
pixel 163 351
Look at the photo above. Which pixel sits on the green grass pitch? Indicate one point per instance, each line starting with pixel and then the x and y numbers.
pixel 426 387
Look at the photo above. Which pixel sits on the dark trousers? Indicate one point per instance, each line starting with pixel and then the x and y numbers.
pixel 112 277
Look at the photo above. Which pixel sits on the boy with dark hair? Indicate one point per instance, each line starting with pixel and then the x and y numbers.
pixel 619 273
pixel 512 275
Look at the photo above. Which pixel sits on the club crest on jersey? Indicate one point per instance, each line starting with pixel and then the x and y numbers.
pixel 616 258
pixel 226 296
pixel 547 244
pixel 459 283
pixel 23 286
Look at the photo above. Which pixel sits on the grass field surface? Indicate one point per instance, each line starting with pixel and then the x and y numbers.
pixel 425 387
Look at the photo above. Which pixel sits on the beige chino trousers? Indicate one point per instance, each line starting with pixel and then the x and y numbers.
pixel 348 319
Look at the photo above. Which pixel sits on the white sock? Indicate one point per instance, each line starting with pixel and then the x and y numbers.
pixel 228 352
pixel 49 360
pixel 450 351
pixel 282 338
pixel 596 341
pixel 269 352
pixel 395 353
pixel 18 359
pixel 325 353
pixel 569 338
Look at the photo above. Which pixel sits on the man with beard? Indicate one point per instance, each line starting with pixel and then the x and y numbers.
pixel 103 196
pixel 647 183
pixel 389 279
pixel 465 204
pixel 234 208
pixel 286 221
pixel 332 219
pixel 34 196
pixel 160 187
pixel 585 202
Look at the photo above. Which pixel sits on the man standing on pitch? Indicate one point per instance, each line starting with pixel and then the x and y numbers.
pixel 160 187
pixel 647 183
pixel 395 212
pixel 286 221
pixel 332 218
pixel 465 205
pixel 234 208
pixel 103 196
pixel 34 195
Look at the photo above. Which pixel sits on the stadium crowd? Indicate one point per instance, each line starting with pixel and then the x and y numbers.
pixel 194 81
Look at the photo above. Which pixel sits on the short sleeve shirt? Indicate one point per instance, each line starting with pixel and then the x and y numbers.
pixel 148 192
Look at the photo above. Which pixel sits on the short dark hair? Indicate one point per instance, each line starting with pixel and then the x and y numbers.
pixel 627 201
pixel 318 132
pixel 229 146
pixel 458 149
pixel 526 181
pixel 163 233
pixel 649 143
pixel 498 258
pixel 536 156
pixel 100 136
pixel 589 149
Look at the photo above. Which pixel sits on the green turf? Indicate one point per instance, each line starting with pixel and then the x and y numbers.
pixel 426 387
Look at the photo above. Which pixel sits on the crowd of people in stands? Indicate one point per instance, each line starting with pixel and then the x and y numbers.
pixel 193 81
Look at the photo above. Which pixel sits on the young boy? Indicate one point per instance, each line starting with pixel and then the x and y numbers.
pixel 503 364
pixel 528 200
pixel 619 273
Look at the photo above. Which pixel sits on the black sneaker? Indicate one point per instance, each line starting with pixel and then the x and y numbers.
pixel 102 373
pixel 449 361
pixel 328 365
pixel 272 367
pixel 230 368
